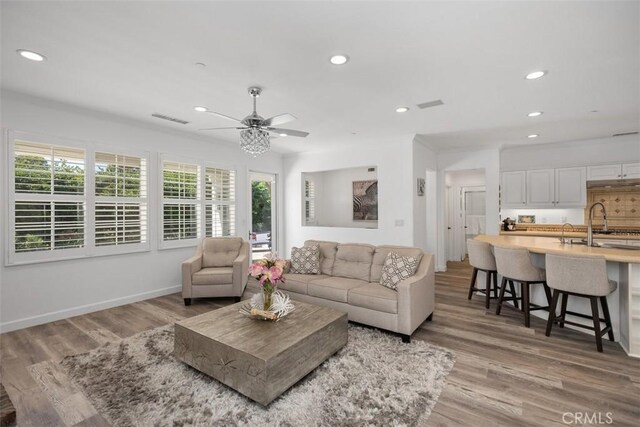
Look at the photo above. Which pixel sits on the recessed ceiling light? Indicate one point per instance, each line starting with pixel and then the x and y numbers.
pixel 34 56
pixel 533 135
pixel 402 109
pixel 283 134
pixel 535 75
pixel 339 59
pixel 200 109
pixel 534 114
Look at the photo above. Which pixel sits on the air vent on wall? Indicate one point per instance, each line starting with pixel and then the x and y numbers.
pixel 371 170
pixel 625 133
pixel 171 119
pixel 431 104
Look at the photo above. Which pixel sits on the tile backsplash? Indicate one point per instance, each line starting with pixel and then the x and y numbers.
pixel 622 205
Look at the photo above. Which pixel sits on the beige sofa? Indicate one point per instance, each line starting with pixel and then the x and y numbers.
pixel 218 269
pixel 349 281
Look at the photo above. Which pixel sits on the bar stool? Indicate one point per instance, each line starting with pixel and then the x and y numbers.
pixel 581 276
pixel 481 259
pixel 514 264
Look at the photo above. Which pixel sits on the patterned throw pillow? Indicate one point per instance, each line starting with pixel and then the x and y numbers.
pixel 396 268
pixel 305 260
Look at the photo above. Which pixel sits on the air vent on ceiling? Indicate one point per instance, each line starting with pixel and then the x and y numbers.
pixel 371 170
pixel 171 119
pixel 625 133
pixel 431 104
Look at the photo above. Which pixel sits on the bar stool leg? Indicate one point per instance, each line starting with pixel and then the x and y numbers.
pixel 607 317
pixel 503 287
pixel 596 322
pixel 524 286
pixel 487 289
pixel 563 309
pixel 495 284
pixel 473 282
pixel 552 311
pixel 513 293
pixel 547 292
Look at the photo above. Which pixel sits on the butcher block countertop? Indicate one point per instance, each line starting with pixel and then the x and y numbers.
pixel 570 235
pixel 544 245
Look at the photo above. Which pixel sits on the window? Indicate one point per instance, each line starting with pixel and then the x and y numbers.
pixel 71 201
pixel 120 200
pixel 220 199
pixel 48 198
pixel 181 201
pixel 198 200
pixel 309 201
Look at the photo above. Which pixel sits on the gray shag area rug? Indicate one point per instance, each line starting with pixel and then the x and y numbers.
pixel 374 380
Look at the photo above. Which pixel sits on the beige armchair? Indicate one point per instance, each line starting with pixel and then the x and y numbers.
pixel 218 269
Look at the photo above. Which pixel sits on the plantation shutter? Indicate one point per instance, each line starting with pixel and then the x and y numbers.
pixel 220 202
pixel 120 199
pixel 181 201
pixel 49 207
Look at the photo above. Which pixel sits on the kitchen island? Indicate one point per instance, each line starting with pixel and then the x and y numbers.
pixel 623 266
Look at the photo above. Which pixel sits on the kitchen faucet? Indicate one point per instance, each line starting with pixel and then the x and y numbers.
pixel 590 228
pixel 562 240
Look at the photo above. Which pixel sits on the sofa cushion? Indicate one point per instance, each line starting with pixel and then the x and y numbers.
pixel 381 253
pixel 298 282
pixel 327 254
pixel 375 297
pixel 305 260
pixel 333 288
pixel 353 261
pixel 397 268
pixel 220 251
pixel 213 276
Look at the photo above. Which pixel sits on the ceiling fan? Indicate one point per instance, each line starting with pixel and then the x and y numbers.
pixel 255 130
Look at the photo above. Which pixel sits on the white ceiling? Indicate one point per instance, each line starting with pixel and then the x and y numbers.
pixel 135 58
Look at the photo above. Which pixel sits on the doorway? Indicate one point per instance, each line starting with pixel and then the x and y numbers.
pixel 262 211
pixel 465 210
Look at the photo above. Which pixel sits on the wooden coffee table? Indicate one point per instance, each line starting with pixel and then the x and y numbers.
pixel 260 359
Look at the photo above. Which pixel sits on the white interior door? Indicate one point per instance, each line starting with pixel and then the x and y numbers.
pixel 474 210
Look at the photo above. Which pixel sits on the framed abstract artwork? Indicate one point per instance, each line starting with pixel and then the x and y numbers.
pixel 365 200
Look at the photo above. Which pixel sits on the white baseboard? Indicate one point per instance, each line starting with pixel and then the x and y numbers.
pixel 84 309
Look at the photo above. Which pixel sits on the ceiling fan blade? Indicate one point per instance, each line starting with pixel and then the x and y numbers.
pixel 224 116
pixel 278 120
pixel 289 132
pixel 223 128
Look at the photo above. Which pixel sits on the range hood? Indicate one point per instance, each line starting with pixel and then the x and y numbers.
pixel 614 183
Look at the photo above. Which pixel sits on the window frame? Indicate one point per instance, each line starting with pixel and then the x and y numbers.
pixel 89 249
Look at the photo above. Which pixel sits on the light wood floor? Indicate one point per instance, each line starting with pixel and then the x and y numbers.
pixel 505 374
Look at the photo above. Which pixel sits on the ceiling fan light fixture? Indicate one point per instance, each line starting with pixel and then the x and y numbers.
pixel 339 59
pixel 254 141
pixel 200 109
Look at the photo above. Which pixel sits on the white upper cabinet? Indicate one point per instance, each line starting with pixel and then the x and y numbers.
pixel 631 170
pixel 571 187
pixel 540 188
pixel 613 171
pixel 514 189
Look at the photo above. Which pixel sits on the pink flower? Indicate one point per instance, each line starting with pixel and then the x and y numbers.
pixel 256 269
pixel 275 273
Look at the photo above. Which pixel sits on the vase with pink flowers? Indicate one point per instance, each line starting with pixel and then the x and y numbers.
pixel 269 271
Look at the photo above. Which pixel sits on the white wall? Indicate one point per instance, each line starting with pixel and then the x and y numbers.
pixel 334 196
pixel 620 149
pixel 489 160
pixel 424 224
pixel 394 198
pixel 38 293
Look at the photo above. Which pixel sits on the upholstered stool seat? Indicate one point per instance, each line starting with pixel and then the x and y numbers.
pixel 581 276
pixel 514 264
pixel 481 259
